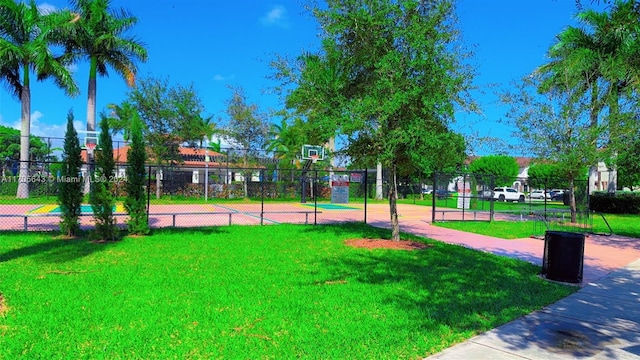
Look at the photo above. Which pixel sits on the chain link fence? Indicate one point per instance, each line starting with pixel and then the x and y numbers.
pixel 544 202
pixel 198 192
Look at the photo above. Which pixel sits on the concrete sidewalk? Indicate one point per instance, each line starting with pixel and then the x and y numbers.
pixel 601 321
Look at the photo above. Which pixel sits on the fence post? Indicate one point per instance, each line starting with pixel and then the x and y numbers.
pixel 366 193
pixel 433 198
pixel 315 197
pixel 492 182
pixel 262 180
pixel 149 192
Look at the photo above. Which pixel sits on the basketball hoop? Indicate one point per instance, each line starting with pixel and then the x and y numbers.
pixel 91 147
pixel 314 158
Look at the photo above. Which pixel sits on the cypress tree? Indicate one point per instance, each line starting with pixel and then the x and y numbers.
pixel 135 203
pixel 70 194
pixel 101 196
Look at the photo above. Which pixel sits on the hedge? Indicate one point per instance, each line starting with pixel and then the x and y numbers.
pixel 616 203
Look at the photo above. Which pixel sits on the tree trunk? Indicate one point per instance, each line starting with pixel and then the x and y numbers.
pixel 25 134
pixel 393 205
pixel 91 121
pixel 91 96
pixel 593 124
pixel 572 200
pixel 612 185
pixel 244 177
pixel 614 125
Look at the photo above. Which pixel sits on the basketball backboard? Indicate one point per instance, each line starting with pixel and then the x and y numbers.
pixel 312 151
pixel 90 137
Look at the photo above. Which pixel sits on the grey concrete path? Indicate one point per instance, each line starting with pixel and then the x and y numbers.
pixel 601 321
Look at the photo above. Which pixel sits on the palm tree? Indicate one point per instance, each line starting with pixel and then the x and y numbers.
pixel 595 60
pixel 100 37
pixel 285 140
pixel 26 34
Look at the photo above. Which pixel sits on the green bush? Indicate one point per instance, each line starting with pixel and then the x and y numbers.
pixel 616 203
pixel 70 194
pixel 9 186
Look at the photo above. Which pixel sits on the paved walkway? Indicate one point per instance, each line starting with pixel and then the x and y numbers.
pixel 600 321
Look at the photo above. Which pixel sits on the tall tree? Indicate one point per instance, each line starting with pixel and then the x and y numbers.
pixel 553 128
pixel 26 36
pixel 70 183
pixel 390 76
pixel 546 175
pixel 135 203
pixel 100 36
pixel 101 196
pixel 286 140
pixel 629 166
pixel 10 148
pixel 600 61
pixel 246 128
pixel 502 168
pixel 171 115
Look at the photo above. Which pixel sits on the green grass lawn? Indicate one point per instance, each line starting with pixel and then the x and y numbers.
pixel 282 291
pixel 499 229
pixel 626 225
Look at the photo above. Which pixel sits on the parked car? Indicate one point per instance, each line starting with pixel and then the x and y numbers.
pixel 539 194
pixel 507 194
pixel 556 194
pixel 485 194
pixel 444 194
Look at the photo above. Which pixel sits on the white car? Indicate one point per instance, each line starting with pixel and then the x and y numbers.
pixel 539 194
pixel 507 194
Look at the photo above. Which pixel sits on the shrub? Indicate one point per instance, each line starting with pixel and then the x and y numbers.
pixel 70 190
pixel 616 203
pixel 101 196
pixel 135 203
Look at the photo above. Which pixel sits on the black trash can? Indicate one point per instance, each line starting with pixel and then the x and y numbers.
pixel 563 257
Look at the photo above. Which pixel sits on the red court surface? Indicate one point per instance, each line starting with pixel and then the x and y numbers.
pixel 46 217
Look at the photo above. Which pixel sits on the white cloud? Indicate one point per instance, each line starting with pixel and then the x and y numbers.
pixel 218 77
pixel 42 129
pixel 46 8
pixel 72 68
pixel 277 16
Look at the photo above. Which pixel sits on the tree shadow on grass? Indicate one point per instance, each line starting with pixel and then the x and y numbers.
pixel 462 289
pixel 203 230
pixel 53 248
pixel 364 230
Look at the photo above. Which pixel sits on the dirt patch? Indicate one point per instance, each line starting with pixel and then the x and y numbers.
pixel 3 305
pixel 67 237
pixel 386 244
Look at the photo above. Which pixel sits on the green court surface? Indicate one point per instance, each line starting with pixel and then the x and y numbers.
pixel 332 207
pixel 55 209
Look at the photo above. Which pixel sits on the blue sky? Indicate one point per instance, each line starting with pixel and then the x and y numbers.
pixel 213 43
